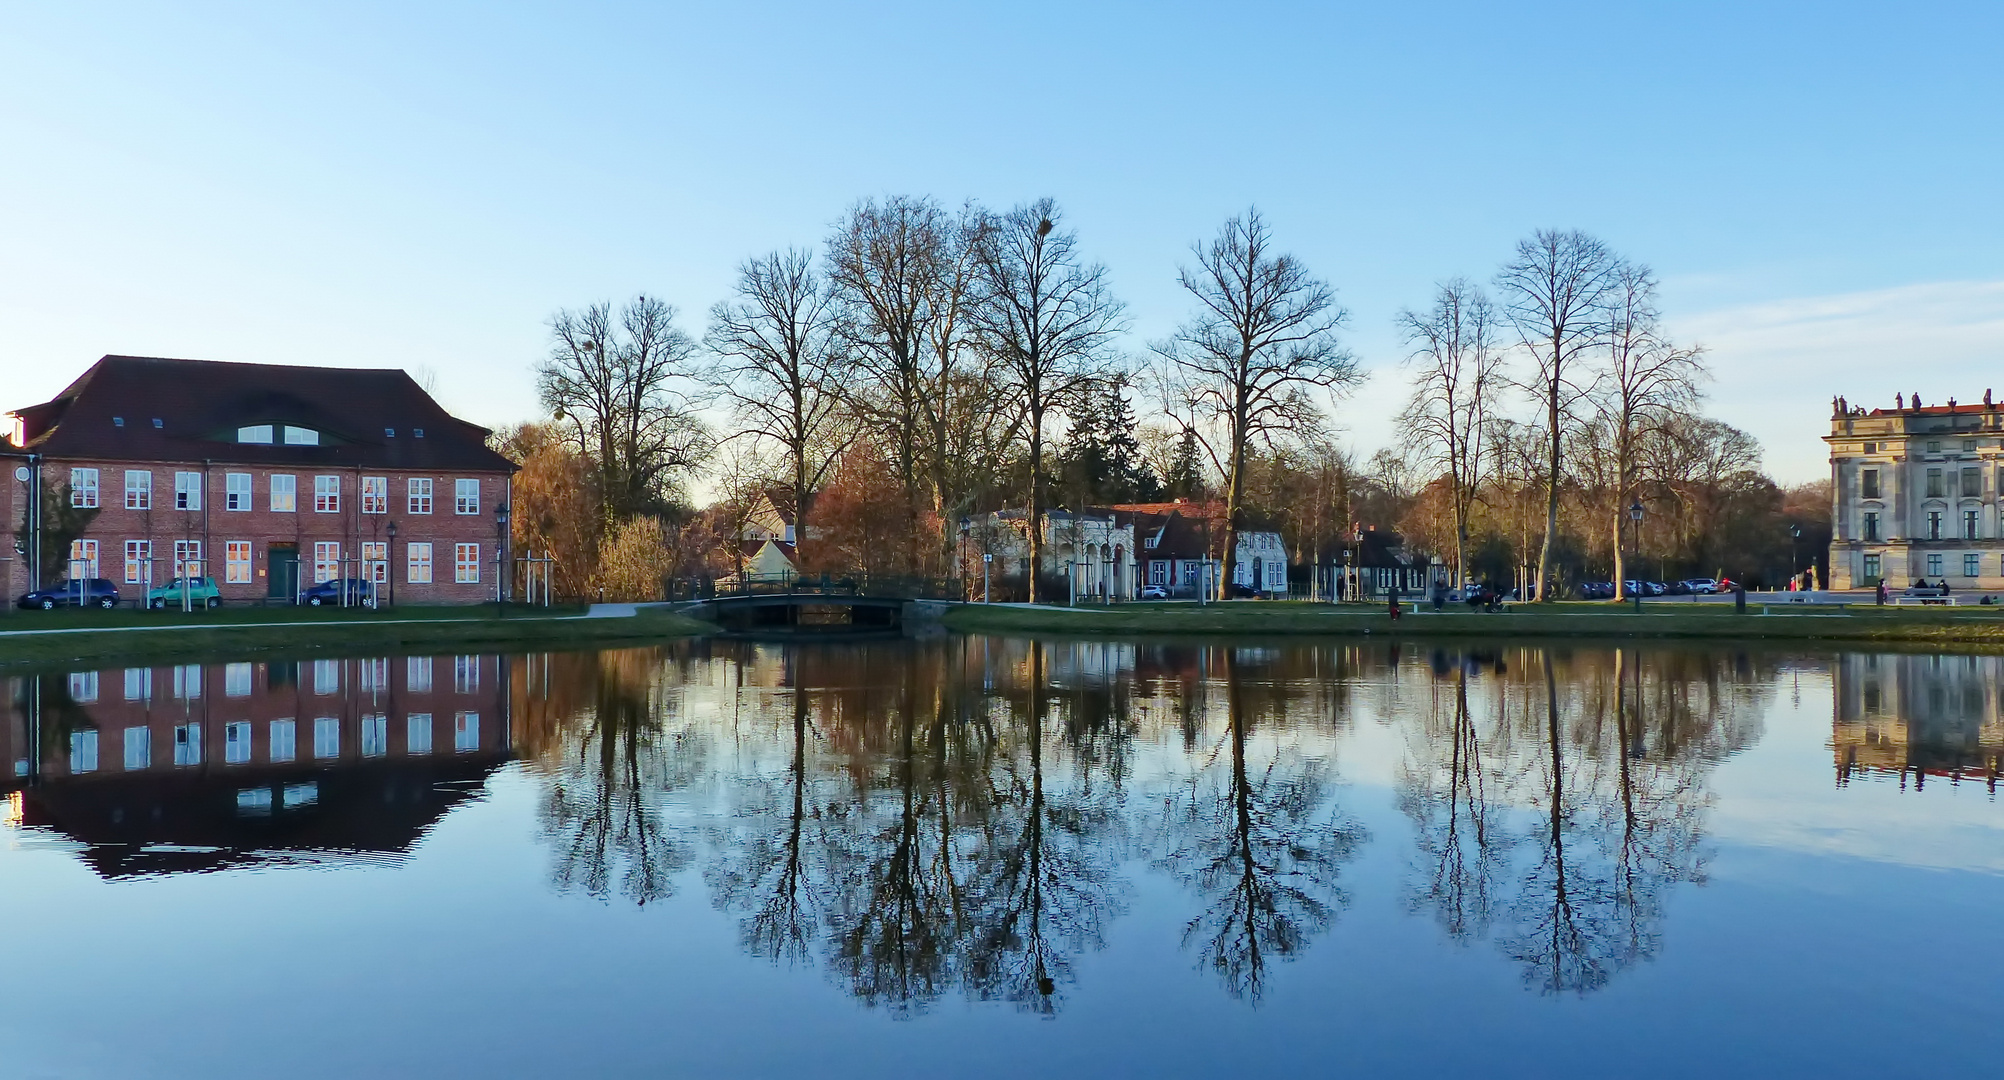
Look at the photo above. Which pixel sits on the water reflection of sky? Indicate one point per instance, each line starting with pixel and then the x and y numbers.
pixel 609 902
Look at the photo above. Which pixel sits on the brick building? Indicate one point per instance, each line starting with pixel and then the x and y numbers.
pixel 266 478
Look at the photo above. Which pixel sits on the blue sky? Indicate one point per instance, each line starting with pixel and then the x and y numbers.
pixel 421 185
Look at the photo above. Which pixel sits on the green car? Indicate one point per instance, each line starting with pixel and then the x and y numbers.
pixel 202 592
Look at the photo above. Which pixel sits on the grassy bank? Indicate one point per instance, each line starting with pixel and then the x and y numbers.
pixel 115 636
pixel 1268 618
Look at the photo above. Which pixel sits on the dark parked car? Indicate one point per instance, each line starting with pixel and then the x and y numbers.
pixel 87 592
pixel 1596 590
pixel 359 592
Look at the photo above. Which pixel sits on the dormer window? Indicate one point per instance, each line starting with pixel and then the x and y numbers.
pixel 157 424
pixel 256 433
pixel 118 421
pixel 389 433
pixel 417 433
pixel 299 436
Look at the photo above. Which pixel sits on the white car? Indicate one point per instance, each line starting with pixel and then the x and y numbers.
pixel 1703 586
pixel 1154 592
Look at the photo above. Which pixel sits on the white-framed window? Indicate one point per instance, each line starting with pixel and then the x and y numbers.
pixel 417 733
pixel 83 559
pixel 326 494
pixel 373 673
pixel 376 561
pixel 466 564
pixel 138 489
pixel 187 682
pixel 138 684
pixel 188 558
pixel 236 742
pixel 83 686
pixel 83 488
pixel 466 732
pixel 139 562
pixel 237 562
pixel 326 677
pixel 138 747
pixel 284 744
pixel 465 674
pixel 236 680
pixel 187 744
pixel 326 560
pixel 466 496
pixel 375 735
pixel 1934 565
pixel 255 433
pixel 237 491
pixel 417 569
pixel 417 492
pixel 375 494
pixel 187 491
pixel 299 436
pixel 1158 572
pixel 83 751
pixel 284 493
pixel 327 737
pixel 417 674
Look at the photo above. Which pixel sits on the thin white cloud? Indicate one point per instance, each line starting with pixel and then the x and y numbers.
pixel 1776 364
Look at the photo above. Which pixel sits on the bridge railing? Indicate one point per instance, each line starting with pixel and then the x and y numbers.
pixel 880 586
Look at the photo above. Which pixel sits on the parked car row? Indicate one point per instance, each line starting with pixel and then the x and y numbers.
pixel 196 591
pixel 1604 590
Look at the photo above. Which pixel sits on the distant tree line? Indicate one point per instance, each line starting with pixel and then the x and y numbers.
pixel 926 362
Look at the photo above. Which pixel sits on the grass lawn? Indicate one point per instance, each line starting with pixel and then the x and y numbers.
pixel 135 636
pixel 1971 625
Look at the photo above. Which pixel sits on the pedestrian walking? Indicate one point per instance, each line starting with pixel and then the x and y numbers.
pixel 1880 593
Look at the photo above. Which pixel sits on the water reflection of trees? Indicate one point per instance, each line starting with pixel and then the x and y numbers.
pixel 1558 796
pixel 922 820
pixel 1252 833
pixel 608 733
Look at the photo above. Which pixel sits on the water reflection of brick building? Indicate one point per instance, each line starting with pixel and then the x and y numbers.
pixel 1919 716
pixel 200 767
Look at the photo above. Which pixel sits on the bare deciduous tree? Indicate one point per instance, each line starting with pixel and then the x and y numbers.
pixel 1262 342
pixel 1457 373
pixel 884 264
pixel 778 369
pixel 1049 319
pixel 622 389
pixel 1647 381
pixel 1555 290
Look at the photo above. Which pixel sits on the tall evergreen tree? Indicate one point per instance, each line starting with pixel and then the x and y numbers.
pixel 1100 459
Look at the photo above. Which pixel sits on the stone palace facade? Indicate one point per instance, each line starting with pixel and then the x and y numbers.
pixel 1915 493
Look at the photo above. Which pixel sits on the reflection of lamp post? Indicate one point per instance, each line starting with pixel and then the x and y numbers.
pixel 390 561
pixel 1635 515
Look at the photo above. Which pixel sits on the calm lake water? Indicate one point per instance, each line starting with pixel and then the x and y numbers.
pixel 1000 857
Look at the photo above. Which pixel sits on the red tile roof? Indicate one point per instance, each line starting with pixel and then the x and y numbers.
pixel 190 410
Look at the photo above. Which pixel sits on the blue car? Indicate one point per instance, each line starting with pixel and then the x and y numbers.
pixel 86 592
pixel 354 592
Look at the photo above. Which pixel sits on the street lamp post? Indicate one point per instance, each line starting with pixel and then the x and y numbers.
pixel 1794 555
pixel 1635 515
pixel 390 561
pixel 501 559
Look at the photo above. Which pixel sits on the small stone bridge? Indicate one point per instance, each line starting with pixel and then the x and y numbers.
pixel 825 603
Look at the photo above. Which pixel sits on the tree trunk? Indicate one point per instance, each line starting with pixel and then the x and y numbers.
pixel 1035 522
pixel 1551 489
